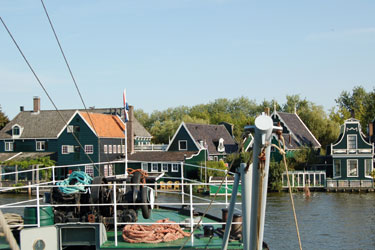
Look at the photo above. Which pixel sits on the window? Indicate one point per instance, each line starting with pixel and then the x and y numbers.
pixel 216 158
pixel 368 167
pixel 352 142
pixel 69 129
pixel 9 146
pixel 352 168
pixel 64 149
pixel 164 167
pixel 105 170
pixel 89 169
pixel 40 145
pixel 123 149
pixel 16 130
pixel 145 166
pixel 182 145
pixel 110 170
pixel 154 167
pixel 119 149
pixel 89 149
pixel 105 149
pixel 175 167
pixel 114 149
pixel 337 168
pixel 109 149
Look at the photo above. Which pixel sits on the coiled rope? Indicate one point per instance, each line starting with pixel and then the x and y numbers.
pixel 153 233
pixel 75 183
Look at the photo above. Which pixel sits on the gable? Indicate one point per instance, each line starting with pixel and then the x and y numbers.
pixel 182 134
pixel 352 128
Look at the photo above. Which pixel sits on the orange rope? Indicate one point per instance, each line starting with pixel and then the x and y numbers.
pixel 144 174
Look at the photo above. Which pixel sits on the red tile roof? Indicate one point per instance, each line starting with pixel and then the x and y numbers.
pixel 109 126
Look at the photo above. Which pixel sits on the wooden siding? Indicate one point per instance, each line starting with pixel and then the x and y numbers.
pixel 183 135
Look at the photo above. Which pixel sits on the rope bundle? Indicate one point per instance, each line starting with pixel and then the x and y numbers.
pixel 75 183
pixel 153 233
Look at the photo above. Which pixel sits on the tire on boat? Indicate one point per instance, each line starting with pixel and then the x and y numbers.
pixel 136 179
pixel 146 209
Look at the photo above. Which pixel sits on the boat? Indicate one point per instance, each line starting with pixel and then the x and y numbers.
pixel 95 216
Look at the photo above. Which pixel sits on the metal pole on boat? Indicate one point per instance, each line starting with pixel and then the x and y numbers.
pixel 37 206
pixel 254 183
pixel 182 184
pixel 230 211
pixel 115 211
pixel 191 214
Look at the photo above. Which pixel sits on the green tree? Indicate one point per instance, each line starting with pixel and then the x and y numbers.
pixel 3 119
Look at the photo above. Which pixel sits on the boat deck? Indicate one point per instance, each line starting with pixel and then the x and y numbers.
pixel 157 214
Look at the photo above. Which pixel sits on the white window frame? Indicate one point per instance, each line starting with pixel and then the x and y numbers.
pixel 335 166
pixel 370 165
pixel 123 149
pixel 8 146
pixel 216 158
pixel 114 148
pixel 154 167
pixel 347 142
pixel 109 149
pixel 89 149
pixel 19 130
pixel 164 167
pixel 64 149
pixel 348 167
pixel 145 166
pixel 70 129
pixel 89 169
pixel 105 149
pixel 119 149
pixel 175 167
pixel 110 170
pixel 40 146
pixel 179 145
pixel 105 169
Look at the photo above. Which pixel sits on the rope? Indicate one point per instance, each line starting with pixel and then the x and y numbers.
pixel 282 151
pixel 8 234
pixel 213 198
pixel 153 233
pixel 144 174
pixel 14 219
pixel 75 183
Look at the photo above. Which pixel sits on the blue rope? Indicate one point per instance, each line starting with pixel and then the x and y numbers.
pixel 79 179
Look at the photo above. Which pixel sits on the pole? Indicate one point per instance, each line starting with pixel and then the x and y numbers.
pixel 254 184
pixel 230 212
pixel 126 150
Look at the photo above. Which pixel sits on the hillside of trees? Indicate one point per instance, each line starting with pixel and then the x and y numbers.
pixel 242 111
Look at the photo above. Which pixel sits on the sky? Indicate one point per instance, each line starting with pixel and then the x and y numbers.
pixel 168 53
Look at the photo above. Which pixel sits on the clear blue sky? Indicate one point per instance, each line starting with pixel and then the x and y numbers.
pixel 168 53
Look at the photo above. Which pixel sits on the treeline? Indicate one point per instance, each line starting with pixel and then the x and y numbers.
pixel 242 111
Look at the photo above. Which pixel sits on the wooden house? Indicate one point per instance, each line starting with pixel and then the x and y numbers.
pixel 352 155
pixel 194 137
pixel 295 132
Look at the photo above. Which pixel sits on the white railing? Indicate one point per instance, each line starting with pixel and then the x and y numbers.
pixel 151 147
pixel 299 179
pixel 183 183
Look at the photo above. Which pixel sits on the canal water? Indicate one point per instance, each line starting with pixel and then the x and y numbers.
pixel 326 220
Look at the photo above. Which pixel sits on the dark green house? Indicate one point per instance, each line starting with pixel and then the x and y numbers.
pixel 296 134
pixel 69 137
pixel 194 137
pixel 352 155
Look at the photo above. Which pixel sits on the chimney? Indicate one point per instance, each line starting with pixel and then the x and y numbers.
pixel 129 126
pixel 22 108
pixel 36 104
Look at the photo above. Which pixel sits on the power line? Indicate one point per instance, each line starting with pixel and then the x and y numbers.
pixel 41 84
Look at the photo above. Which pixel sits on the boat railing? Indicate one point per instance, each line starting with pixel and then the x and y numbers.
pixel 186 192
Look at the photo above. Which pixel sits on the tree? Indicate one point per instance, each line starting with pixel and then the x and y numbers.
pixel 3 119
pixel 357 104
